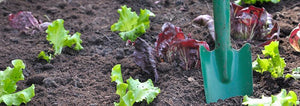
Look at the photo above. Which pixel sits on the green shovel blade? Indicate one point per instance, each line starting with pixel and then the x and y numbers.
pixel 225 79
pixel 226 72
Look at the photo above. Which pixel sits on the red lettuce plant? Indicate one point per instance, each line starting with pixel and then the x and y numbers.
pixel 247 24
pixel 144 57
pixel 26 22
pixel 294 38
pixel 172 44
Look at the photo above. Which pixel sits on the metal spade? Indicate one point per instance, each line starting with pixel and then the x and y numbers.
pixel 226 72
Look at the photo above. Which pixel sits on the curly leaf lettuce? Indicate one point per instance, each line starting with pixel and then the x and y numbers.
pixel 130 24
pixel 240 2
pixel 23 96
pixel 8 79
pixel 58 36
pixel 136 91
pixel 281 99
pixel 44 56
pixel 295 73
pixel 275 64
pixel 143 91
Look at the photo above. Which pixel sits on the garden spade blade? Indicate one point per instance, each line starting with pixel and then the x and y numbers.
pixel 226 72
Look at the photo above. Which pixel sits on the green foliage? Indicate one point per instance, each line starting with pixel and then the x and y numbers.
pixel 8 85
pixel 44 56
pixel 130 24
pixel 136 91
pixel 275 64
pixel 58 36
pixel 281 99
pixel 254 1
pixel 295 73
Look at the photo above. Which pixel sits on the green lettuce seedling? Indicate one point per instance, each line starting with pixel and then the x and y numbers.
pixel 44 56
pixel 295 73
pixel 275 64
pixel 132 91
pixel 130 24
pixel 281 99
pixel 254 1
pixel 59 37
pixel 8 79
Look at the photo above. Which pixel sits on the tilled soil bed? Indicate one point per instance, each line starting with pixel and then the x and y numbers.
pixel 83 77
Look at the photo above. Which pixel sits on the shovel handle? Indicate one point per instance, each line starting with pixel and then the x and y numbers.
pixel 222 23
pixel 222 29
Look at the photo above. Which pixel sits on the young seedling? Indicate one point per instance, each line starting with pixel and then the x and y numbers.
pixel 247 24
pixel 26 22
pixel 131 27
pixel 132 91
pixel 240 2
pixel 281 99
pixel 172 44
pixel 275 64
pixel 130 24
pixel 8 85
pixel 295 73
pixel 294 38
pixel 59 38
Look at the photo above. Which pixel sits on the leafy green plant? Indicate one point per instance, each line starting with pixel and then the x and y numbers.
pixel 59 37
pixel 254 1
pixel 281 99
pixel 130 24
pixel 295 73
pixel 275 64
pixel 8 85
pixel 44 56
pixel 132 91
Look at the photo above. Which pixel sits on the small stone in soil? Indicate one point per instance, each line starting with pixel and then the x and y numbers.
pixel 191 79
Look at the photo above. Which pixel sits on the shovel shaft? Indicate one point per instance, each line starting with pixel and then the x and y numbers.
pixel 222 23
pixel 222 30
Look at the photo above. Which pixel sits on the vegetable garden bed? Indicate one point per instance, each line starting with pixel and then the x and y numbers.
pixel 83 77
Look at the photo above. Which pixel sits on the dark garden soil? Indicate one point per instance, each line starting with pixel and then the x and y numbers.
pixel 83 77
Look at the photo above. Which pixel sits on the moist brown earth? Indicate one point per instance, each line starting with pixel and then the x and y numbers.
pixel 83 77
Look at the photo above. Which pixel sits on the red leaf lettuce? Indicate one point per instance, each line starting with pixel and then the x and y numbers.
pixel 247 24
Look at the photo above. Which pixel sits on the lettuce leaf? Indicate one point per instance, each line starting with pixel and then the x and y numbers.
pixel 44 56
pixel 294 38
pixel 275 64
pixel 172 45
pixel 281 99
pixel 58 36
pixel 144 57
pixel 247 24
pixel 240 2
pixel 23 96
pixel 295 73
pixel 8 79
pixel 10 76
pixel 136 91
pixel 130 24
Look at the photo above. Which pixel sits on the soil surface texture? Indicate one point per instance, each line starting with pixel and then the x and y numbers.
pixel 83 77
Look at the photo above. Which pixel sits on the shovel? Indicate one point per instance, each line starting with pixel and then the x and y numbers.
pixel 226 72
